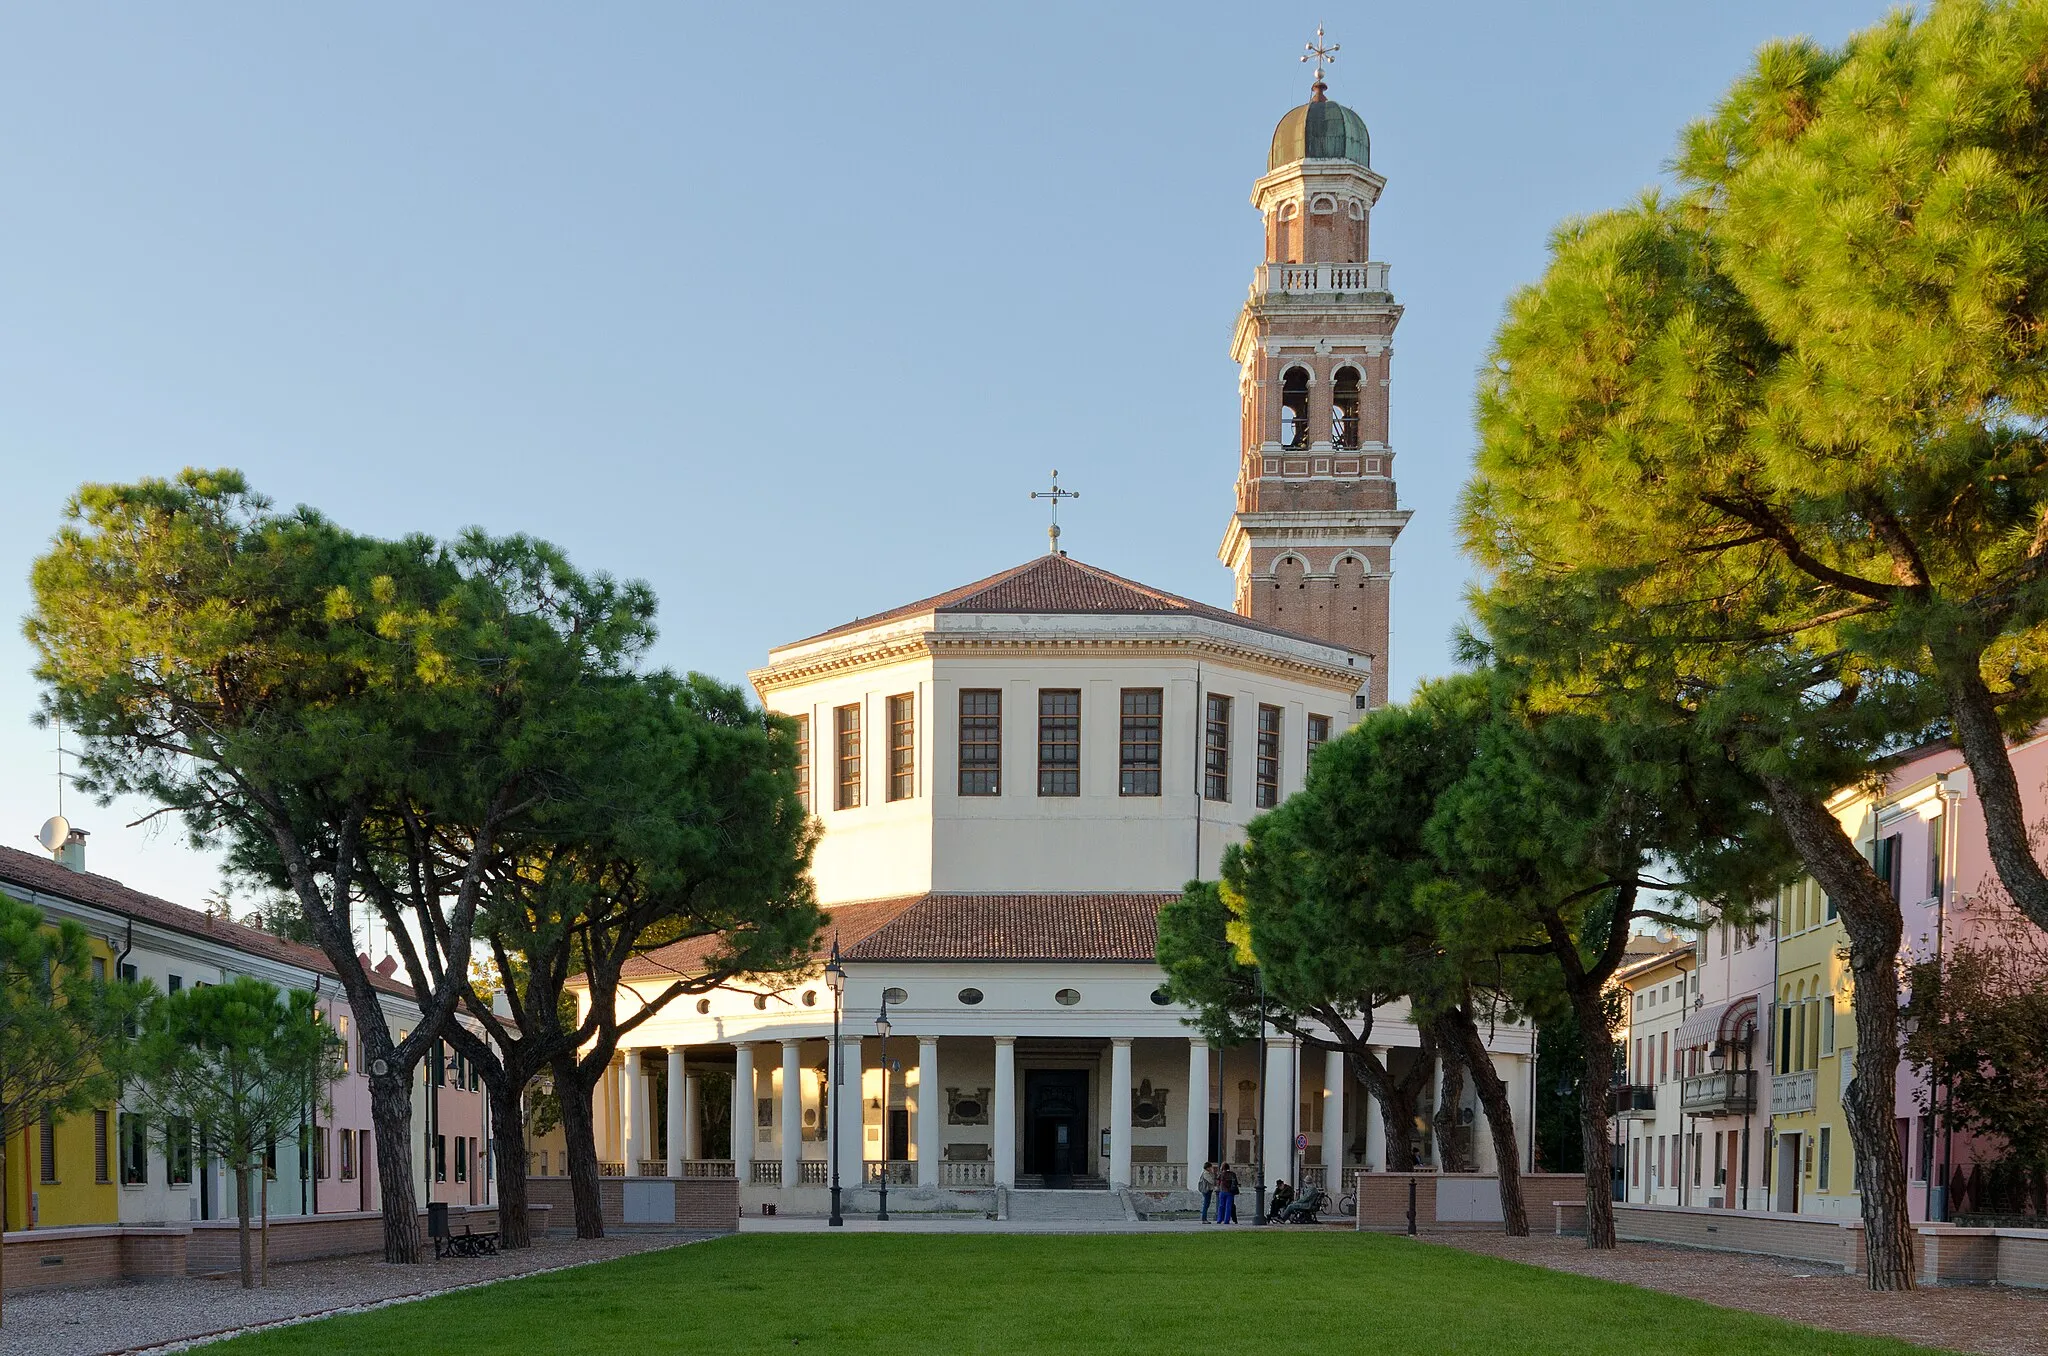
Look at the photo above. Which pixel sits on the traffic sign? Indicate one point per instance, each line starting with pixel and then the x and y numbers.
pixel 1300 1142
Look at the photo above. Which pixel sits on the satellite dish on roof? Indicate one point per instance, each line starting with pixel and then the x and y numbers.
pixel 56 831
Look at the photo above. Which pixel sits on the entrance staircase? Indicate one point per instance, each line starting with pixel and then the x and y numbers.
pixel 1079 1205
pixel 1038 1181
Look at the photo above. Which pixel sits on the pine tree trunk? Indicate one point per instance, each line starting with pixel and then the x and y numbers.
pixel 1870 916
pixel 243 1206
pixel 1500 1121
pixel 391 1114
pixel 1594 1090
pixel 579 1134
pixel 3 1214
pixel 1450 1154
pixel 1982 739
pixel 508 1144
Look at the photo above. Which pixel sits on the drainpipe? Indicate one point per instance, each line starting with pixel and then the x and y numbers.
pixel 1201 767
pixel 1951 797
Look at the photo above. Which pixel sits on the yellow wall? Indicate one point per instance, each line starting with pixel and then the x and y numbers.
pixel 1813 988
pixel 77 1197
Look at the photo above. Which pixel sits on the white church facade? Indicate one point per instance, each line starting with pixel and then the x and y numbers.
pixel 1013 777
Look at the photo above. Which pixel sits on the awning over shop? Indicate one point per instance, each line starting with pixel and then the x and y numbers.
pixel 1716 1023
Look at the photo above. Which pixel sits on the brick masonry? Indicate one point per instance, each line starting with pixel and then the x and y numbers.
pixel 701 1202
pixel 1383 1198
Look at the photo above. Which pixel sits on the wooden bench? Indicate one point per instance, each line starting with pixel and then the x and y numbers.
pixel 1571 1217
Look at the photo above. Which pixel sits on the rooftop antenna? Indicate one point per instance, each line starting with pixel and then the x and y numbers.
pixel 1055 494
pixel 1323 55
pixel 56 830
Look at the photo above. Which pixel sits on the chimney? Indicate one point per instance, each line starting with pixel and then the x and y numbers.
pixel 71 856
pixel 387 965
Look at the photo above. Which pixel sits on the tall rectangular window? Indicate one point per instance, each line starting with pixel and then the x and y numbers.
pixel 102 1160
pixel 461 1158
pixel 1059 743
pixel 440 1158
pixel 803 760
pixel 1266 794
pixel 178 1152
pixel 1216 750
pixel 846 747
pixel 981 742
pixel 347 1144
pixel 1827 1145
pixel 46 1145
pixel 1318 734
pixel 347 1048
pixel 1139 741
pixel 134 1150
pixel 902 747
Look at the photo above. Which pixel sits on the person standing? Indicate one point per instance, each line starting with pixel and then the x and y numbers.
pixel 1226 1197
pixel 1207 1186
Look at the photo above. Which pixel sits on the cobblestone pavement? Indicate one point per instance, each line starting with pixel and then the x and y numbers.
pixel 142 1315
pixel 1991 1320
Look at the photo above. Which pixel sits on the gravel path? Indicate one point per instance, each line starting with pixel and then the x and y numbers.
pixel 1991 1320
pixel 143 1315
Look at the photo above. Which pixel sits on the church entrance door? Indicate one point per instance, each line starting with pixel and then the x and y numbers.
pixel 1056 1124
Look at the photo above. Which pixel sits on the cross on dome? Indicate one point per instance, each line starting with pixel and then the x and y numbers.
pixel 1322 54
pixel 1055 494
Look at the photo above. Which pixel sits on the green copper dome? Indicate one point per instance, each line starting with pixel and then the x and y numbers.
pixel 1320 130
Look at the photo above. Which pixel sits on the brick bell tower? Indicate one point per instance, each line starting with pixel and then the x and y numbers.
pixel 1311 540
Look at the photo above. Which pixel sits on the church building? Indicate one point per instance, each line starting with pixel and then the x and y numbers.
pixel 1013 776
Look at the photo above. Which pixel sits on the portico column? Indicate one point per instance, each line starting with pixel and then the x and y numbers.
pixel 742 1114
pixel 1120 1112
pixel 853 1113
pixel 1198 1107
pixel 629 1112
pixel 1279 1109
pixel 792 1114
pixel 693 1117
pixel 678 1113
pixel 1375 1123
pixel 1005 1127
pixel 1335 1076
pixel 928 1099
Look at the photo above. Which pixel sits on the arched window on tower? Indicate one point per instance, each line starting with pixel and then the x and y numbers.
pixel 1294 430
pixel 1344 408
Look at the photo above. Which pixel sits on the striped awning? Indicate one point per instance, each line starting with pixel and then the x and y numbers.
pixel 1716 1023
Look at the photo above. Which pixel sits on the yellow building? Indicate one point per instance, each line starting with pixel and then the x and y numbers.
pixel 61 1171
pixel 1812 1165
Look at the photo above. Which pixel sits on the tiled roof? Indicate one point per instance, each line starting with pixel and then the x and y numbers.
pixel 1059 584
pixel 30 871
pixel 942 927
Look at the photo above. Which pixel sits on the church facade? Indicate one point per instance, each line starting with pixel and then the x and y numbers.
pixel 1013 777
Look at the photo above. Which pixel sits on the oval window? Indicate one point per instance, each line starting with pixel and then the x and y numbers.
pixel 895 996
pixel 1066 998
pixel 970 996
pixel 703 1006
pixel 1161 997
pixel 760 1002
pixel 810 998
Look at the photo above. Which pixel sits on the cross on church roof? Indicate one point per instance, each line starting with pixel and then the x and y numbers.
pixel 1055 494
pixel 1322 55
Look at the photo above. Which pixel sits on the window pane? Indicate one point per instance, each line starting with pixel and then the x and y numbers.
pixel 1139 754
pixel 1318 734
pixel 846 733
pixel 803 760
pixel 981 742
pixel 1216 750
pixel 1059 743
pixel 1268 789
pixel 902 747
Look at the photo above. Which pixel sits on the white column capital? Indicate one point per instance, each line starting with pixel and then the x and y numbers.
pixel 1005 1040
pixel 1198 1042
pixel 1124 1041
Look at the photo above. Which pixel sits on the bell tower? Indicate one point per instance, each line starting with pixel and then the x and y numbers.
pixel 1312 538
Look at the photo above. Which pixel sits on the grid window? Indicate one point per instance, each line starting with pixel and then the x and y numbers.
pixel 803 760
pixel 846 740
pixel 440 1158
pixel 46 1143
pixel 1216 750
pixel 178 1152
pixel 1059 743
pixel 347 1045
pixel 1318 734
pixel 102 1159
pixel 902 747
pixel 1267 793
pixel 134 1150
pixel 1139 755
pixel 347 1144
pixel 981 742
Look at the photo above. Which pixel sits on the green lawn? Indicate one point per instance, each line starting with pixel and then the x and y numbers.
pixel 907 1295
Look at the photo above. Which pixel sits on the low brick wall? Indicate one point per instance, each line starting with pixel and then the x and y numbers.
pixel 48 1259
pixel 216 1244
pixel 2023 1258
pixel 1805 1238
pixel 1383 1198
pixel 700 1202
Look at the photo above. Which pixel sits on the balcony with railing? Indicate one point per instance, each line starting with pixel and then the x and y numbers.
pixel 1633 1101
pixel 1730 1093
pixel 1791 1093
pixel 1319 279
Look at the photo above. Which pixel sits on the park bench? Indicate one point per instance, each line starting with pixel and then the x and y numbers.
pixel 450 1244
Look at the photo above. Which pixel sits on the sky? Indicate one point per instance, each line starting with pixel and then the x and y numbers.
pixel 785 312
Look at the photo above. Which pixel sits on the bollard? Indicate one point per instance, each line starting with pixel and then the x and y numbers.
pixel 1411 1207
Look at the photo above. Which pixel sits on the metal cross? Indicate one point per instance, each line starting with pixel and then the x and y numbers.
pixel 1322 55
pixel 1055 494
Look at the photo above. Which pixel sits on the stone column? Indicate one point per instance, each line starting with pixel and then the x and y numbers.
pixel 693 1116
pixel 1279 1110
pixel 629 1112
pixel 1118 1112
pixel 792 1114
pixel 1005 1127
pixel 1336 1081
pixel 1375 1123
pixel 742 1114
pixel 853 1114
pixel 678 1113
pixel 929 1098
pixel 1198 1107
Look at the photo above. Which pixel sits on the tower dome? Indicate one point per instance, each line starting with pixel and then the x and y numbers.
pixel 1320 130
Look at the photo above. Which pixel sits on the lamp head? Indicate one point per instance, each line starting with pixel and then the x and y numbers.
pixel 1717 1058
pixel 882 1027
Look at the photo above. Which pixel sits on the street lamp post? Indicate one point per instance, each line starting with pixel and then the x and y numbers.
pixel 1259 1144
pixel 882 1030
pixel 835 980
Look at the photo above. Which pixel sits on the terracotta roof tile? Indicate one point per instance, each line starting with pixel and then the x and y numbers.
pixel 848 922
pixel 1020 927
pixel 1059 584
pixel 33 872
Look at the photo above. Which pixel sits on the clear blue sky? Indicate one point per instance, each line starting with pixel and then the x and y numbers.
pixel 784 311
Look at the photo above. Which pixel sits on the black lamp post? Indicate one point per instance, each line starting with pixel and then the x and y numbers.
pixel 882 1030
pixel 1259 1147
pixel 835 980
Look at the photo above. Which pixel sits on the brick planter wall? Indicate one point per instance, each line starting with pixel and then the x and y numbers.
pixel 45 1259
pixel 700 1202
pixel 1383 1198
